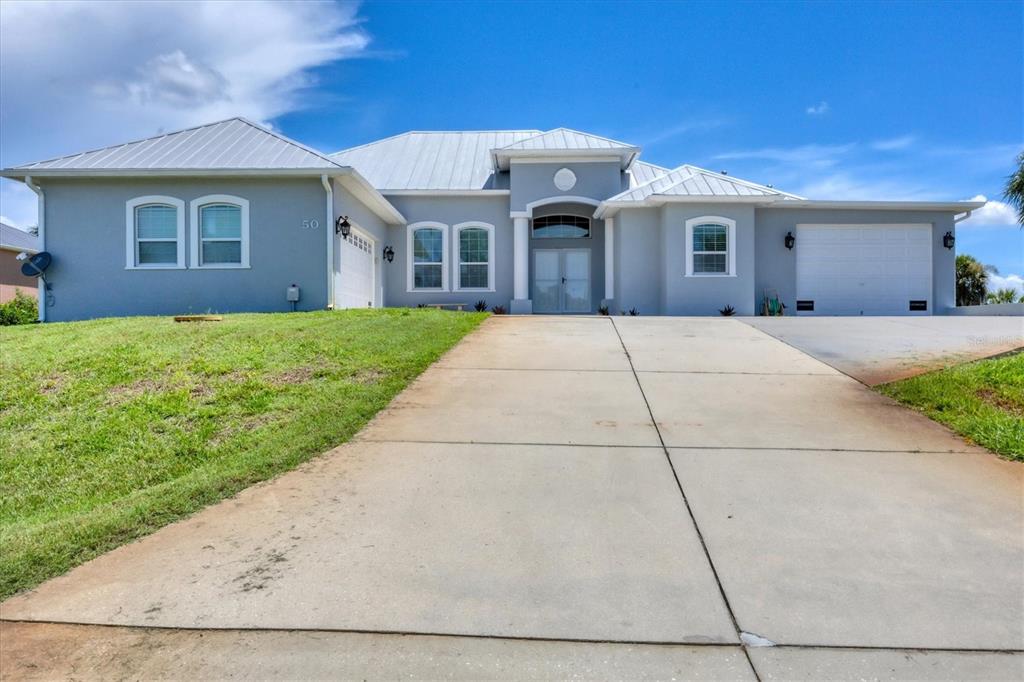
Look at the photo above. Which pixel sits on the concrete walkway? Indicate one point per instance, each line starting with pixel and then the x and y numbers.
pixel 579 497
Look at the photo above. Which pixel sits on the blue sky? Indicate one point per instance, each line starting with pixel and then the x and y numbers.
pixel 831 100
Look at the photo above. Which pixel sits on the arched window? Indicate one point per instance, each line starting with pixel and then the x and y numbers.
pixel 154 233
pixel 710 247
pixel 427 246
pixel 220 236
pixel 561 227
pixel 474 256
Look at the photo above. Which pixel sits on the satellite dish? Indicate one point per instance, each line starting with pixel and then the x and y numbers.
pixel 35 265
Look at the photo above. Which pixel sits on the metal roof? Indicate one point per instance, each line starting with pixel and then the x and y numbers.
pixel 431 160
pixel 234 144
pixel 565 139
pixel 641 172
pixel 691 181
pixel 13 239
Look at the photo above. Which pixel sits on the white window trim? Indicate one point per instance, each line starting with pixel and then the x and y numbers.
pixel 194 207
pixel 410 279
pixel 130 252
pixel 457 261
pixel 730 258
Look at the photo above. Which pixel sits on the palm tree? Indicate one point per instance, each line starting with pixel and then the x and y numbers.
pixel 1014 191
pixel 1001 296
pixel 971 280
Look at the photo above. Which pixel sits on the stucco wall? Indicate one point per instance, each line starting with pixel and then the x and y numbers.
pixel 706 295
pixel 776 265
pixel 535 181
pixel 345 204
pixel 450 211
pixel 85 232
pixel 638 260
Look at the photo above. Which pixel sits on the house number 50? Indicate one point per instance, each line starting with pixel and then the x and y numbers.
pixel 310 224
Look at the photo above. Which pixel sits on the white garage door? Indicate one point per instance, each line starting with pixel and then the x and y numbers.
pixel 864 269
pixel 354 279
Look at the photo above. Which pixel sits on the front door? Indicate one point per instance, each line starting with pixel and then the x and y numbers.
pixel 561 280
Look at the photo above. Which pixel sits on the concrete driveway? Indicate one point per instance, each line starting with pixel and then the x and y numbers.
pixel 579 497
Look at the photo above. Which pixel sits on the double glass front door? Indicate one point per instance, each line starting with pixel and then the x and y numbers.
pixel 561 281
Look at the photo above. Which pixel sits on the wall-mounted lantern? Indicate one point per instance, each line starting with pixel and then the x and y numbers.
pixel 342 226
pixel 389 254
pixel 790 241
pixel 948 240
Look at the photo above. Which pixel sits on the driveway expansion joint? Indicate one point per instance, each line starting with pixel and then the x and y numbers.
pixel 689 510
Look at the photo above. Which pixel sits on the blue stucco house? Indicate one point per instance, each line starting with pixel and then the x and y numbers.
pixel 227 217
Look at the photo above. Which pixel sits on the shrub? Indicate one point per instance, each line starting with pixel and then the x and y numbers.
pixel 22 309
pixel 727 311
pixel 603 310
pixel 481 306
pixel 498 310
pixel 633 312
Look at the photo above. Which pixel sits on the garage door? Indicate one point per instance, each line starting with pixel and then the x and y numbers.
pixel 864 269
pixel 354 283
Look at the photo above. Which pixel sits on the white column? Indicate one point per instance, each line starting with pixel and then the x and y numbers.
pixel 609 258
pixel 521 258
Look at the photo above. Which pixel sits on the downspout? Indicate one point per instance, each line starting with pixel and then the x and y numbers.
pixel 41 236
pixel 329 228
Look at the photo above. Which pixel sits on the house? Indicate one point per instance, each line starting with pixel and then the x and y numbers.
pixel 12 243
pixel 231 216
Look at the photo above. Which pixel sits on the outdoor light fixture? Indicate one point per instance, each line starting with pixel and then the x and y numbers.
pixel 342 226
pixel 948 240
pixel 790 240
pixel 389 254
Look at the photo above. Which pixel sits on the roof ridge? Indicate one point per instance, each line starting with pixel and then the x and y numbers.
pixel 130 142
pixel 741 181
pixel 429 132
pixel 285 138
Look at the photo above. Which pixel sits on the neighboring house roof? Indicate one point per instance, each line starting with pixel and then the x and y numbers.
pixel 234 144
pixel 13 239
pixel 439 161
pixel 691 181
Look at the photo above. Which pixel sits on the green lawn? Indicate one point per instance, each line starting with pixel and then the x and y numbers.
pixel 110 429
pixel 982 400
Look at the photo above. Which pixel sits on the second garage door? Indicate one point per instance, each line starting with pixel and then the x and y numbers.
pixel 864 269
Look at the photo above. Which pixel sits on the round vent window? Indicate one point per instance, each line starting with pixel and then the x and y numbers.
pixel 565 179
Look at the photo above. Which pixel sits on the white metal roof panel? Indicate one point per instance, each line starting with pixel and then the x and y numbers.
pixel 564 138
pixel 697 182
pixel 232 144
pixel 641 172
pixel 431 160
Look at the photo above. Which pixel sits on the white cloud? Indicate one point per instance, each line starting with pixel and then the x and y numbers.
pixel 691 126
pixel 819 109
pixel 814 155
pixel 81 75
pixel 894 143
pixel 1015 282
pixel 993 213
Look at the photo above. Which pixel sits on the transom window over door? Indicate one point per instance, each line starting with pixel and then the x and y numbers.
pixel 154 233
pixel 427 265
pixel 561 227
pixel 710 247
pixel 221 232
pixel 474 254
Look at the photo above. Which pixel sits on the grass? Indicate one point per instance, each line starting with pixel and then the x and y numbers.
pixel 110 429
pixel 983 401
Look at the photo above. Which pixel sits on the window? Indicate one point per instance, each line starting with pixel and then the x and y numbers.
pixel 427 265
pixel 220 236
pixel 474 256
pixel 154 233
pixel 561 227
pixel 709 247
